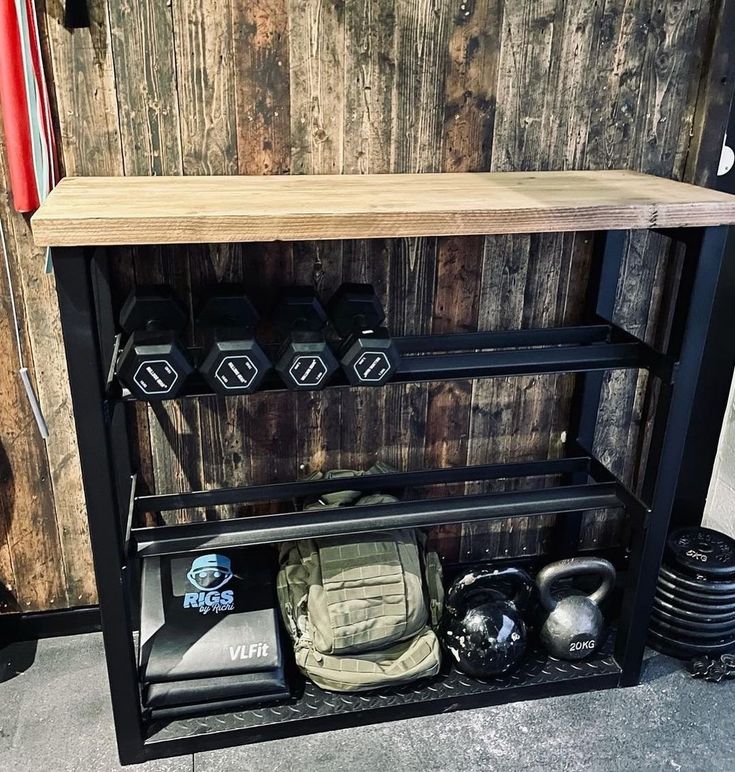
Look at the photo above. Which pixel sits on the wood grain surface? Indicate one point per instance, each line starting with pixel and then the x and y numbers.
pixel 176 210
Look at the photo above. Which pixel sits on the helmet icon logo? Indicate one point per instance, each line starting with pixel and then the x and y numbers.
pixel 210 572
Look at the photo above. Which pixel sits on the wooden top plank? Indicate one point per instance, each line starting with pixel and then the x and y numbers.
pixel 174 210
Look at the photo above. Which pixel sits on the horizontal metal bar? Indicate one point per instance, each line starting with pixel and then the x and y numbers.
pixel 472 341
pixel 390 481
pixel 317 523
pixel 596 356
pixel 494 354
pixel 661 365
pixel 49 624
pixel 635 507
pixel 683 235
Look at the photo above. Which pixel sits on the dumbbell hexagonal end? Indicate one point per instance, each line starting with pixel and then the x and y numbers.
pixel 306 364
pixel 370 360
pixel 157 303
pixel 353 302
pixel 153 367
pixel 235 366
pixel 300 305
pixel 227 306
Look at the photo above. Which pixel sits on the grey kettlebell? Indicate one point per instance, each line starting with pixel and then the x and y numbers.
pixel 574 626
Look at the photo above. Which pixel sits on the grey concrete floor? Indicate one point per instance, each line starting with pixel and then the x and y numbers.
pixel 55 715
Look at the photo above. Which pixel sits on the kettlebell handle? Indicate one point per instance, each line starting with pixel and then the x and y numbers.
pixel 473 585
pixel 548 576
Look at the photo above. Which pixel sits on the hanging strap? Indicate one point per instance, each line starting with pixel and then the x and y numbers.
pixel 76 14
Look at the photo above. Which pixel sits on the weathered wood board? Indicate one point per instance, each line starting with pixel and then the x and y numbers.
pixel 236 208
pixel 336 86
pixel 44 551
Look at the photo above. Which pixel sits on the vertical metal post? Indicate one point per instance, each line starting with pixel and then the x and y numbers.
pixel 691 241
pixel 718 359
pixel 607 259
pixel 705 247
pixel 116 411
pixel 710 404
pixel 87 378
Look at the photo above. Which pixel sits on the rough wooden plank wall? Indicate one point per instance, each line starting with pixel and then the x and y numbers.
pixel 317 86
pixel 44 556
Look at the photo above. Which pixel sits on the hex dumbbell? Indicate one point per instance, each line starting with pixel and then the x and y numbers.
pixel 232 362
pixel 305 360
pixel 153 364
pixel 368 355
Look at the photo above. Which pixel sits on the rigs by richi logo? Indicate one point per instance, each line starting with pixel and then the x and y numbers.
pixel 209 574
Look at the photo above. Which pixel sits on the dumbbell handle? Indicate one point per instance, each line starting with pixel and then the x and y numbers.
pixel 155 325
pixel 549 575
pixel 305 324
pixel 299 310
pixel 359 324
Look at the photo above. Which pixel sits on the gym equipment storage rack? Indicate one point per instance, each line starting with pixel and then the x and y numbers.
pixel 82 216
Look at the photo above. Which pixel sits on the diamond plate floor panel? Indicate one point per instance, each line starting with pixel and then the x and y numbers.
pixel 538 673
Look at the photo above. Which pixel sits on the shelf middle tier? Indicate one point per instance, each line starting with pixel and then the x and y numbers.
pixel 504 353
pixel 599 490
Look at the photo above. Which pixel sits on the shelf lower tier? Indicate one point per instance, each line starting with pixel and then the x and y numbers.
pixel 317 711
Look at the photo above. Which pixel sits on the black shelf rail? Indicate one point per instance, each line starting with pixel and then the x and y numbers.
pixel 603 491
pixel 339 521
pixel 580 482
pixel 389 482
pixel 504 353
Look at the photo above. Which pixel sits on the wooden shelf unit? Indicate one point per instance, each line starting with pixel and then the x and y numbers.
pixel 82 215
pixel 94 211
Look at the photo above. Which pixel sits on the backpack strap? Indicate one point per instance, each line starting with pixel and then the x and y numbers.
pixel 433 585
pixel 346 497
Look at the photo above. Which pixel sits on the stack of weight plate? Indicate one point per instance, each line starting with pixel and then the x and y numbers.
pixel 694 608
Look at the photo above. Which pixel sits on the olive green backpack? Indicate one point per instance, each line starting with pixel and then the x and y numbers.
pixel 359 607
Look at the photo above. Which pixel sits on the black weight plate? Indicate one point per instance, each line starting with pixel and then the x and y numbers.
pixel 667 649
pixel 691 616
pixel 700 607
pixel 695 595
pixel 698 584
pixel 664 622
pixel 695 629
pixel 701 551
pixel 683 648
pixel 682 651
pixel 683 640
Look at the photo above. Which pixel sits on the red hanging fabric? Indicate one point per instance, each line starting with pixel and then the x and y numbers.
pixel 14 105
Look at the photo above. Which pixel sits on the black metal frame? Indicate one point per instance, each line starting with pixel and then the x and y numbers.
pixel 31 626
pixel 716 375
pixel 575 484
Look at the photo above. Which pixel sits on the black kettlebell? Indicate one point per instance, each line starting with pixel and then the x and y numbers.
pixel 574 625
pixel 482 628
